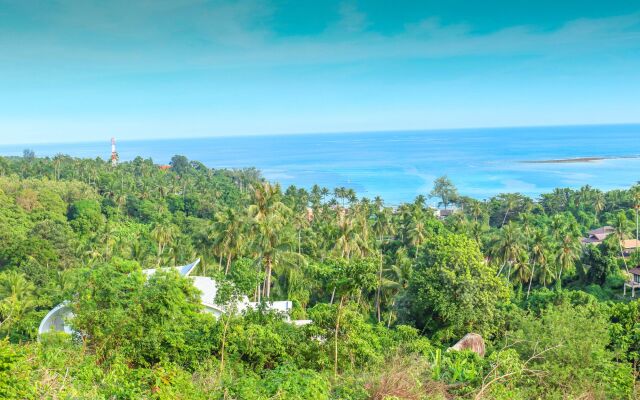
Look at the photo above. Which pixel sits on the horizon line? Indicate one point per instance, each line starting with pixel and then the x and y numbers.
pixel 311 133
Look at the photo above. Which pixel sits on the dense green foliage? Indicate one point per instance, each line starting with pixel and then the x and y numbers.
pixel 388 289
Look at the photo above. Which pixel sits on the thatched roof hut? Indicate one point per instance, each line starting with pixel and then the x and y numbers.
pixel 470 341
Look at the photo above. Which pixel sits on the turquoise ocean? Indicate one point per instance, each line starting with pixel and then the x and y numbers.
pixel 400 165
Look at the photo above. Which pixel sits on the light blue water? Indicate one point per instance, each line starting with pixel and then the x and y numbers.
pixel 400 165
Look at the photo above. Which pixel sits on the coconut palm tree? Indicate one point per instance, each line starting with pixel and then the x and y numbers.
pixel 620 226
pixel 16 297
pixel 417 234
pixel 228 234
pixel 271 241
pixel 163 232
pixel 349 241
pixel 396 279
pixel 507 246
pixel 382 227
pixel 538 251
pixel 569 251
pixel 598 202
pixel 635 195
pixel 475 208
pixel 511 202
pixel 522 268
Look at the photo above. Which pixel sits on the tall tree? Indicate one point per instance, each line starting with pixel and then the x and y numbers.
pixel 382 227
pixel 228 234
pixel 569 251
pixel 508 246
pixel 538 251
pixel 620 225
pixel 270 239
pixel 444 189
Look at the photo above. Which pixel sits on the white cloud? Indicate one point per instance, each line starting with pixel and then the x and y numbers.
pixel 161 35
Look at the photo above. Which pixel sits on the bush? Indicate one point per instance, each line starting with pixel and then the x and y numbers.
pixel 85 216
pixel 14 373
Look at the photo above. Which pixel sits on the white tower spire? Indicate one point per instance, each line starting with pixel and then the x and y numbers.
pixel 114 154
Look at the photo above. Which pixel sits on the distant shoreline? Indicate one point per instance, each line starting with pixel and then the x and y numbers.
pixel 575 160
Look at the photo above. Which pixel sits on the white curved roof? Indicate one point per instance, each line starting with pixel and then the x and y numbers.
pixel 183 270
pixel 56 319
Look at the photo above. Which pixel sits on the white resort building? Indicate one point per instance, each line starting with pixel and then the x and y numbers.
pixel 57 319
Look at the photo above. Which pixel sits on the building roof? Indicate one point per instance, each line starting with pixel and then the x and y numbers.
pixel 599 234
pixel 590 240
pixel 635 271
pixel 183 270
pixel 631 244
pixel 57 318
pixel 603 230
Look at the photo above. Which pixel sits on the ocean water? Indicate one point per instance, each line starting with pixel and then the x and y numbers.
pixel 400 165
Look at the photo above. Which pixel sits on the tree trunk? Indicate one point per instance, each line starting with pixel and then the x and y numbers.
pixel 533 271
pixel 637 208
pixel 501 268
pixel 224 341
pixel 559 282
pixel 622 255
pixel 505 217
pixel 267 278
pixel 335 339
pixel 226 270
pixel 391 314
pixel 379 287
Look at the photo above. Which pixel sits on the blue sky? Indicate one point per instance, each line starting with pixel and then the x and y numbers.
pixel 83 70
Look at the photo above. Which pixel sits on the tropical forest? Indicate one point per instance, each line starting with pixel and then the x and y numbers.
pixel 542 288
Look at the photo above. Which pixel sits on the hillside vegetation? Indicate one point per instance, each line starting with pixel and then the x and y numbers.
pixel 389 290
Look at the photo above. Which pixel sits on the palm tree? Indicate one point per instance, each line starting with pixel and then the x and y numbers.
pixel 508 246
pixel 546 273
pixel 477 230
pixel 396 279
pixel 635 192
pixel 620 233
pixel 228 234
pixel 164 232
pixel 349 242
pixel 16 296
pixel 598 202
pixel 583 196
pixel 568 252
pixel 268 215
pixel 511 202
pixel 521 268
pixel 475 208
pixel 539 248
pixel 345 194
pixel 417 234
pixel 382 227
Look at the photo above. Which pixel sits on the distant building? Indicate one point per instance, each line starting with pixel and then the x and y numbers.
pixel 598 236
pixel 442 213
pixel 629 246
pixel 57 320
pixel 633 282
